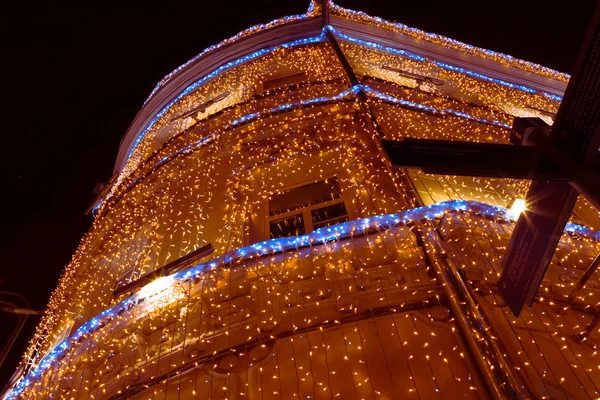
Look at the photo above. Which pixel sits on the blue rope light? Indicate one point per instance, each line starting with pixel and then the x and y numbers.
pixel 243 33
pixel 216 72
pixel 461 70
pixel 282 107
pixel 318 39
pixel 383 96
pixel 319 236
pixel 352 91
pixel 374 93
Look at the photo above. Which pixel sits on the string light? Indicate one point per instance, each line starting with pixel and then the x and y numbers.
pixel 355 309
pixel 450 67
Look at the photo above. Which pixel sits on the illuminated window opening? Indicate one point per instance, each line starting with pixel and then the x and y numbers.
pixel 307 208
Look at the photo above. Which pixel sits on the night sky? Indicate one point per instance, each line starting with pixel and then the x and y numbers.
pixel 89 66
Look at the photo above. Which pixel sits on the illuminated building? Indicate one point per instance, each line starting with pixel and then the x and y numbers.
pixel 332 274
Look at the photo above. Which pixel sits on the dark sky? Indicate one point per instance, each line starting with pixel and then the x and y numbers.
pixel 90 65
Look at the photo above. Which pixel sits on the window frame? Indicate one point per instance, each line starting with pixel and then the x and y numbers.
pixel 306 213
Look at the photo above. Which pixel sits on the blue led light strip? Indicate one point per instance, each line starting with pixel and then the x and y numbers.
pixel 319 236
pixel 383 96
pixel 321 38
pixel 290 106
pixel 216 72
pixel 373 93
pixel 451 43
pixel 464 71
pixel 320 100
pixel 352 92
pixel 244 33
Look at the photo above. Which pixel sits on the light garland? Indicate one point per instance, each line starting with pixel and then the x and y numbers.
pixel 451 43
pixel 360 16
pixel 450 67
pixel 312 10
pixel 311 315
pixel 218 71
pixel 319 237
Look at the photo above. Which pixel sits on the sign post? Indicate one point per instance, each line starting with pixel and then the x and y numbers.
pixel 533 241
pixel 477 159
pixel 573 144
pixel 562 165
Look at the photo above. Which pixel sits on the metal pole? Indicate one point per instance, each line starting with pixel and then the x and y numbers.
pixel 477 332
pixel 23 314
pixel 13 336
pixel 589 329
pixel 581 177
pixel 493 368
pixel 586 276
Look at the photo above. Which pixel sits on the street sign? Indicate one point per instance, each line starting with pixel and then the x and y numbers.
pixel 561 164
pixel 577 127
pixel 475 159
pixel 575 136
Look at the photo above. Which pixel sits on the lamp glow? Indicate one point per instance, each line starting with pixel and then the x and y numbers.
pixel 518 206
pixel 156 286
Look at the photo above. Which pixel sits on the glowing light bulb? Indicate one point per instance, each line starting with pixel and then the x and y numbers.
pixel 517 206
pixel 156 286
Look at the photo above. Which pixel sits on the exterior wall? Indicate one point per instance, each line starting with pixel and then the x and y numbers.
pixel 359 310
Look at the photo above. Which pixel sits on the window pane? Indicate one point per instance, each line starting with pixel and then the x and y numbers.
pixel 330 215
pixel 305 196
pixel 292 226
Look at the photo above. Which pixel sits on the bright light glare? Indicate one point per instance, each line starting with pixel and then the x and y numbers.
pixel 518 206
pixel 156 286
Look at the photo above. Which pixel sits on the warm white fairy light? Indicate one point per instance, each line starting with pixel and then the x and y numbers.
pixel 354 310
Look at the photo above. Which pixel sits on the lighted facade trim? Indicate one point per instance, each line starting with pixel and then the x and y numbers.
pixel 381 24
pixel 316 238
pixel 279 306
pixel 350 93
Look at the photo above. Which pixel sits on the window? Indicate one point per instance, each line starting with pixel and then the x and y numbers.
pixel 306 208
pixel 284 80
pixel 129 281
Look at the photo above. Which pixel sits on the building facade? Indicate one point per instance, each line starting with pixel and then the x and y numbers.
pixel 255 241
